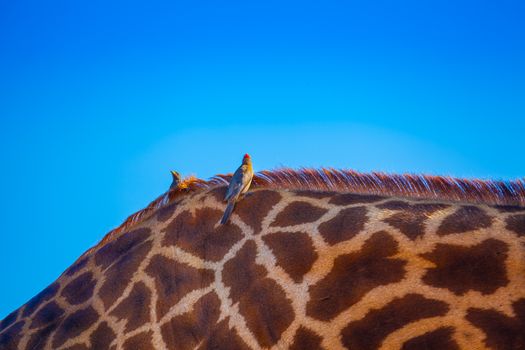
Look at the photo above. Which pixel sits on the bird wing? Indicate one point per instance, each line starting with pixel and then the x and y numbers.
pixel 235 186
pixel 247 177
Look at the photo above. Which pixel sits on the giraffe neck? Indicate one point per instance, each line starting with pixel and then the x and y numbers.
pixel 293 269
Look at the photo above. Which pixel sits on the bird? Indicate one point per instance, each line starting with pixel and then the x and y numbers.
pixel 239 184
pixel 176 180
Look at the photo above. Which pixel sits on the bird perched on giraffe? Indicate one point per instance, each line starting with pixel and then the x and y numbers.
pixel 176 180
pixel 239 184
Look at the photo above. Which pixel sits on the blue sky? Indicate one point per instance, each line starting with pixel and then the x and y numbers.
pixel 99 100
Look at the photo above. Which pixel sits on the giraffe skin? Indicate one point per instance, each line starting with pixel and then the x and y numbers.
pixel 292 270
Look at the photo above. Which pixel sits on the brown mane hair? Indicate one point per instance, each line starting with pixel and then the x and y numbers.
pixel 506 193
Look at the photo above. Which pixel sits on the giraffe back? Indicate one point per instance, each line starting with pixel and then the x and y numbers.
pixel 301 269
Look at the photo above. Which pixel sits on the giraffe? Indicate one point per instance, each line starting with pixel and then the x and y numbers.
pixel 310 259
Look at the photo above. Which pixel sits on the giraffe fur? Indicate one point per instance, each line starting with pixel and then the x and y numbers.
pixel 294 269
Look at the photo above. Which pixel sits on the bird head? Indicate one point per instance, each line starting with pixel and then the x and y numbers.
pixel 246 159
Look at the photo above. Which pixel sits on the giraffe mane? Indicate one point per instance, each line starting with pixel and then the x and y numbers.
pixel 447 188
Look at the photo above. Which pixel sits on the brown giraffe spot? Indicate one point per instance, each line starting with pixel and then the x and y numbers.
pixel 198 234
pixel 119 274
pixel 267 311
pixel 74 325
pixel 186 331
pixel 353 275
pixel 51 312
pixel 102 337
pixel 297 213
pixel 294 252
pixel 134 308
pixel 9 338
pixel 466 218
pixel 509 208
pixel 141 341
pixel 306 339
pixel 241 272
pixel 77 266
pixel 440 339
pixel 348 223
pixel 39 339
pixel 9 319
pixel 218 193
pixel 353 198
pixel 112 251
pixel 254 207
pixel 174 280
pixel 370 331
pixel 40 298
pixel 223 338
pixel 80 289
pixel 459 269
pixel 166 212
pixel 315 194
pixel 262 302
pixel 411 218
pixel 503 332
pixel 516 223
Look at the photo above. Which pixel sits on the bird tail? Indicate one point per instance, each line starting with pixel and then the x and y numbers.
pixel 228 212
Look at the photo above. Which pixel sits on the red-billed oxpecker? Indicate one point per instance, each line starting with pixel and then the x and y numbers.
pixel 239 184
pixel 175 182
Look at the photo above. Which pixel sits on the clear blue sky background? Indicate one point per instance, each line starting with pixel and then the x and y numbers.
pixel 99 99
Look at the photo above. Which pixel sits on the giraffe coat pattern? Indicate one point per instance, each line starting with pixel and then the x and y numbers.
pixel 298 269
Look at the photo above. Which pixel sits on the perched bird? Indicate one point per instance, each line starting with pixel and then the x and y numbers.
pixel 176 180
pixel 239 184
